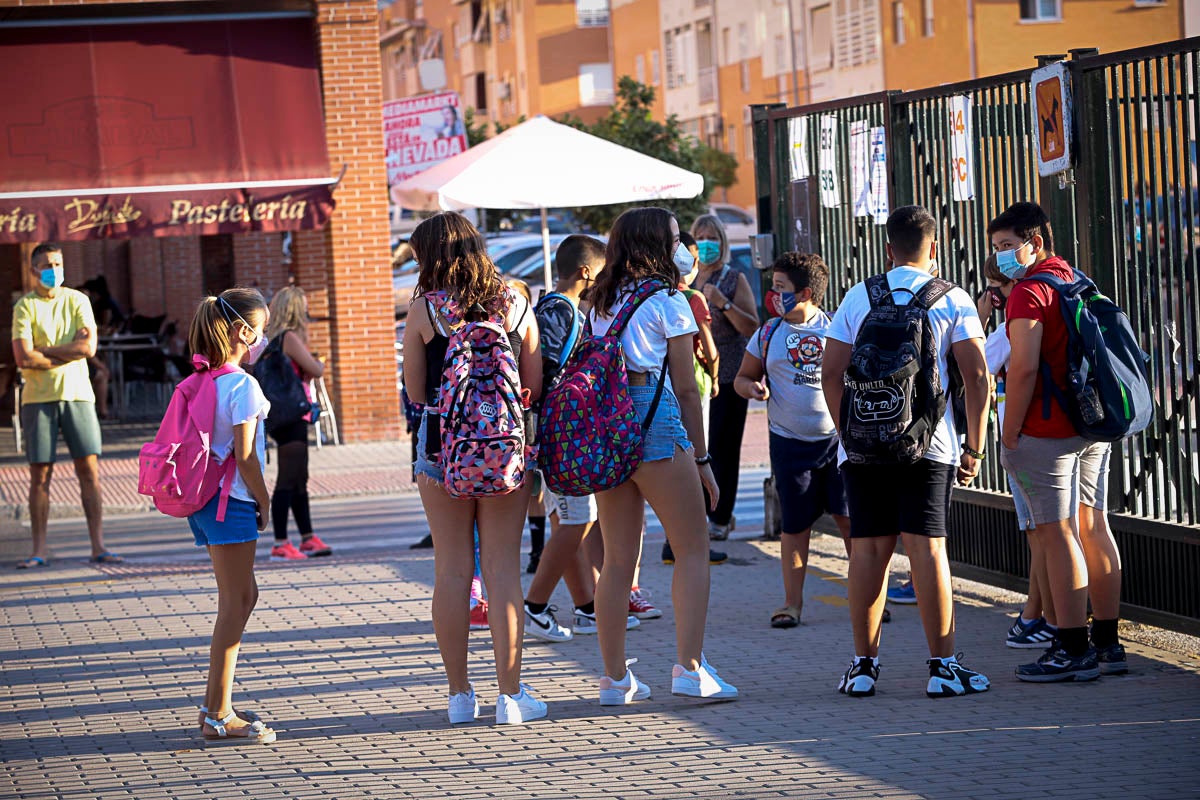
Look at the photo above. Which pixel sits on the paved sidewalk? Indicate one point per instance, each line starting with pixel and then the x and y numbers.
pixel 100 671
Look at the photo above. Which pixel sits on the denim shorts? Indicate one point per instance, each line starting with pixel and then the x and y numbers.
pixel 666 429
pixel 240 524
pixel 424 465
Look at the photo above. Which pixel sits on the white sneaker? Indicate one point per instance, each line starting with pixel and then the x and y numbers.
pixel 700 683
pixel 513 709
pixel 728 689
pixel 624 691
pixel 545 627
pixel 464 707
pixel 586 623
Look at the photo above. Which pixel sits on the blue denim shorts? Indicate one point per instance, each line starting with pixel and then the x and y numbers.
pixel 666 429
pixel 424 465
pixel 240 525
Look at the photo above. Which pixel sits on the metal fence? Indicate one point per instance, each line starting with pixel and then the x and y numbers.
pixel 1128 214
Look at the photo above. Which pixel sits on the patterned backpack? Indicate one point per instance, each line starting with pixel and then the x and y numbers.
pixel 589 435
pixel 479 402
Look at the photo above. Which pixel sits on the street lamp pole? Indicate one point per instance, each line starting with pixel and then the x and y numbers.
pixel 791 33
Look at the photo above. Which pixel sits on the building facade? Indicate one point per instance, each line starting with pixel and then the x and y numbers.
pixel 507 59
pixel 344 267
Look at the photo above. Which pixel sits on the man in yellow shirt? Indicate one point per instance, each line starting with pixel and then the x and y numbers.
pixel 54 333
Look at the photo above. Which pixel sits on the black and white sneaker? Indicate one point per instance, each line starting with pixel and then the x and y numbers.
pixel 1057 665
pixel 951 679
pixel 1037 635
pixel 859 679
pixel 545 627
pixel 1112 659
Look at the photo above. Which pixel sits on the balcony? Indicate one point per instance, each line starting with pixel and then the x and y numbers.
pixel 706 85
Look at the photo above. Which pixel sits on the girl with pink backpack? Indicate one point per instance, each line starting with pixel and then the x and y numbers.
pixel 471 356
pixel 655 338
pixel 227 332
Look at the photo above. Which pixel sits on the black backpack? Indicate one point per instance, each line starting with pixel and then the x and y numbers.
pixel 894 398
pixel 282 386
pixel 1108 396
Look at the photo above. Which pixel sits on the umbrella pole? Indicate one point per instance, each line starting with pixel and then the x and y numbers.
pixel 546 253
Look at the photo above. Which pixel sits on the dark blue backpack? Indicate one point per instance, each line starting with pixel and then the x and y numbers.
pixel 1108 393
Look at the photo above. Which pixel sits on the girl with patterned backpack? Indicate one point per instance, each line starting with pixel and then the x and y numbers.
pixel 656 336
pixel 471 355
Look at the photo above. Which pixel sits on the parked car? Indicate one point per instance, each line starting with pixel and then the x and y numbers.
pixel 740 224
pixel 532 270
pixel 741 259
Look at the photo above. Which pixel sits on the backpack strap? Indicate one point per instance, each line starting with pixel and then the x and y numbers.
pixel 576 325
pixel 879 293
pixel 765 334
pixel 640 294
pixel 658 391
pixel 933 290
pixel 1051 391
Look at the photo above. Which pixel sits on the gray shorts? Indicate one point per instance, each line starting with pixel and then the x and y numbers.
pixel 76 419
pixel 1053 476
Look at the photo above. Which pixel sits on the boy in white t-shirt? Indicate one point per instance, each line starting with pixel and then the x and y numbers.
pixel 782 365
pixel 910 500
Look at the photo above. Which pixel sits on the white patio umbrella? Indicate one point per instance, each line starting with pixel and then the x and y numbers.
pixel 544 164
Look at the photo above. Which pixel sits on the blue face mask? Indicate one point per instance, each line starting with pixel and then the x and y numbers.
pixel 51 277
pixel 1008 263
pixel 709 252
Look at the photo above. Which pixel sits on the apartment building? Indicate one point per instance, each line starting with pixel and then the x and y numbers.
pixel 928 42
pixel 507 59
pixel 637 45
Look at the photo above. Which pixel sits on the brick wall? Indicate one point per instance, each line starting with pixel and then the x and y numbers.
pixel 359 268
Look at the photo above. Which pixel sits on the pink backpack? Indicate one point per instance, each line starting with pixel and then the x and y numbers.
pixel 479 401
pixel 589 434
pixel 178 469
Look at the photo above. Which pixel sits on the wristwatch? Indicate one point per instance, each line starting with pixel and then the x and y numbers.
pixel 707 459
pixel 728 304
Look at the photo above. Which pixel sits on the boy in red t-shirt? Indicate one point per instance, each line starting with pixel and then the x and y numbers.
pixel 1061 476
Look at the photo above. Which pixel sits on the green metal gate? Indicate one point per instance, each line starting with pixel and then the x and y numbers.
pixel 1128 214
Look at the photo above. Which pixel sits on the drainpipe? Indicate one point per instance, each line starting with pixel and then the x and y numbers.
pixel 791 32
pixel 971 39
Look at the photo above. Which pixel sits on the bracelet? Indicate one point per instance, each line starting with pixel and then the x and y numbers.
pixel 707 459
pixel 975 454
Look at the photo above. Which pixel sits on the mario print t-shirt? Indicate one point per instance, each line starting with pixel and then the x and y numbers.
pixel 796 408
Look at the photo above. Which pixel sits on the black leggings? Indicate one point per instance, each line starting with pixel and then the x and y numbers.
pixel 727 414
pixel 291 484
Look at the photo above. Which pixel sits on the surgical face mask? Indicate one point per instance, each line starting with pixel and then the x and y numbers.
pixel 685 261
pixel 256 350
pixel 709 252
pixel 1008 263
pixel 51 277
pixel 781 303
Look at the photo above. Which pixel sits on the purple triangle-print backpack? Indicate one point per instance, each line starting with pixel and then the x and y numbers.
pixel 479 402
pixel 590 437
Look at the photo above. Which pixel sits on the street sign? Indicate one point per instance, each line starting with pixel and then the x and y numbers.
pixel 421 132
pixel 1050 88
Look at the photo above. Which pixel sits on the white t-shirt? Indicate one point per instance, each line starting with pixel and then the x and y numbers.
pixel 662 316
pixel 954 318
pixel 997 349
pixel 239 400
pixel 796 408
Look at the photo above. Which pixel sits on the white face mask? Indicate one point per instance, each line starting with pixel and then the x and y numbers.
pixel 256 350
pixel 686 263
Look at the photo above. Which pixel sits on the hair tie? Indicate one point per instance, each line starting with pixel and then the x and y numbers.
pixel 200 362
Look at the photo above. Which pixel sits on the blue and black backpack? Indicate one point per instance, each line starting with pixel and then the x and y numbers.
pixel 1108 394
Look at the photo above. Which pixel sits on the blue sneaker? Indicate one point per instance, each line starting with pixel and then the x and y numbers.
pixel 905 594
pixel 1037 635
pixel 1057 665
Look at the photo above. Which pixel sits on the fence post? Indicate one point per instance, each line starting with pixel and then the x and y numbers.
pixel 1094 179
pixel 899 145
pixel 766 180
pixel 1056 192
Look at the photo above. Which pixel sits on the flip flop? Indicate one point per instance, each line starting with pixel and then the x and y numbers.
pixel 32 563
pixel 107 558
pixel 785 617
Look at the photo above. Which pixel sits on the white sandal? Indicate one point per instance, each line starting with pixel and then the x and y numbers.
pixel 259 732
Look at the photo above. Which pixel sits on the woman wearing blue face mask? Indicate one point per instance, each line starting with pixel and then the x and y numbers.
pixel 735 318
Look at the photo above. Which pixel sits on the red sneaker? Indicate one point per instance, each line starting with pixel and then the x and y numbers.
pixel 640 605
pixel 286 552
pixel 479 619
pixel 313 547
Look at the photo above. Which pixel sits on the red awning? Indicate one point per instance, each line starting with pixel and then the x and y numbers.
pixel 161 129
